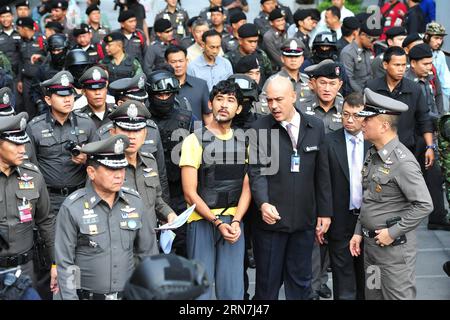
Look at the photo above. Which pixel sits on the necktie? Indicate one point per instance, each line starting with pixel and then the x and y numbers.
pixel 356 177
pixel 291 135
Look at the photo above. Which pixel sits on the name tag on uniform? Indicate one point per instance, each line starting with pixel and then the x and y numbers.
pixel 92 53
pixel 25 212
pixel 295 163
pixel 93 229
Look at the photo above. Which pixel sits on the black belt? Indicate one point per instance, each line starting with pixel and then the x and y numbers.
pixel 368 233
pixel 88 295
pixel 63 191
pixel 17 260
pixel 355 212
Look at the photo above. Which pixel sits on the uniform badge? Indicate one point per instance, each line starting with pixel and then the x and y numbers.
pixel 293 45
pixel 148 169
pixel 6 98
pixel 132 224
pixel 132 111
pixel 93 229
pixel 383 170
pixel 123 224
pixel 337 71
pixel 96 75
pixel 141 82
pixel 127 209
pixel 26 185
pixel 65 80
pixel 23 124
pixel 118 146
pixel 378 188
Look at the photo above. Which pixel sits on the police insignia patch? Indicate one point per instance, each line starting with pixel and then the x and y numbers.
pixel 96 75
pixel 65 80
pixel 23 124
pixel 141 82
pixel 6 98
pixel 132 111
pixel 118 147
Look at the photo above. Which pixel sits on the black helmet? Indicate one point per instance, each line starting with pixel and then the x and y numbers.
pixel 77 62
pixel 325 38
pixel 58 41
pixel 248 86
pixel 162 81
pixel 166 277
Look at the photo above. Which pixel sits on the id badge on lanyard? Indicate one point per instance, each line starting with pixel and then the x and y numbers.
pixel 295 162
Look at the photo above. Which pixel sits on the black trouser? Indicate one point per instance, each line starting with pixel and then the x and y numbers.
pixel 434 180
pixel 27 102
pixel 347 271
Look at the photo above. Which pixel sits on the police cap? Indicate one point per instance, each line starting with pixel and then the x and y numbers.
pixel 248 30
pixel 162 25
pixel 412 37
pixel 6 108
pixel 301 14
pixel 60 84
pixel 326 68
pixel 216 9
pixel 247 63
pixel 420 51
pixel 56 26
pixel 239 16
pixel 132 88
pixel 24 3
pixel 166 277
pixel 12 128
pixel 292 47
pixel 369 29
pixel 82 29
pixel 109 152
pixel 60 4
pixel 26 22
pixel 94 78
pixel 125 15
pixel 114 36
pixel 376 104
pixel 132 115
pixel 396 31
pixel 351 23
pixel 5 9
pixel 91 8
pixel 276 13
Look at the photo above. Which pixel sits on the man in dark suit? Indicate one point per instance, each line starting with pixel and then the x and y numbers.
pixel 292 192
pixel 346 150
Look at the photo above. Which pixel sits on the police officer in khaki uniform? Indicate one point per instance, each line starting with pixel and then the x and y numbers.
pixel 9 38
pixel 32 50
pixel 6 109
pixel 177 16
pixel 326 103
pixel 230 41
pixel 275 36
pixel 57 137
pixel 98 30
pixel 155 52
pixel 83 38
pixel 117 61
pixel 142 172
pixel 395 200
pixel 24 200
pixel 101 228
pixel 134 89
pixel 292 58
pixel 94 84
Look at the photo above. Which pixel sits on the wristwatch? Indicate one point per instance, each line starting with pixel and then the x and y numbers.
pixel 433 146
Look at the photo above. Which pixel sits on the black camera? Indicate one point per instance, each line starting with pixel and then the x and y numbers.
pixel 73 147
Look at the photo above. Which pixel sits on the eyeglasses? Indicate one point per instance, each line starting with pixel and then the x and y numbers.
pixel 347 116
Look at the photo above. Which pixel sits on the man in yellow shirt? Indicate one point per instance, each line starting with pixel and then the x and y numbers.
pixel 214 177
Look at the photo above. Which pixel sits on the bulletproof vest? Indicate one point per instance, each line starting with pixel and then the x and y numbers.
pixel 12 288
pixel 124 70
pixel 220 177
pixel 178 118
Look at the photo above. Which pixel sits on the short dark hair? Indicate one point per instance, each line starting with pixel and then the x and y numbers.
pixel 173 48
pixel 92 163
pixel 227 87
pixel 393 51
pixel 335 11
pixel 210 33
pixel 346 31
pixel 354 99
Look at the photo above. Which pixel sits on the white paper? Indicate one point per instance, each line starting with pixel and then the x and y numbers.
pixel 179 221
pixel 166 240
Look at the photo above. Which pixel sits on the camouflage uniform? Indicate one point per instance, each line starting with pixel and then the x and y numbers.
pixel 444 150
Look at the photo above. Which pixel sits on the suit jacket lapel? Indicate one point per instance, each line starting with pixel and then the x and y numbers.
pixel 340 147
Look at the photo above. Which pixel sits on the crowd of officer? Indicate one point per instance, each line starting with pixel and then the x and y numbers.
pixel 106 135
